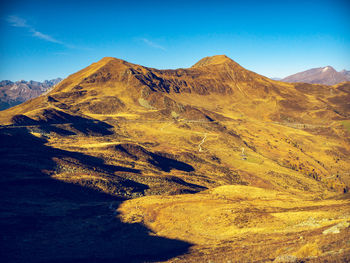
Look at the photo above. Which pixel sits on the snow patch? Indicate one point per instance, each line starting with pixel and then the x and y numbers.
pixel 325 69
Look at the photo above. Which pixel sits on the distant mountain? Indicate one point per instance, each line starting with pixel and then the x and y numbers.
pixel 346 73
pixel 326 75
pixel 14 93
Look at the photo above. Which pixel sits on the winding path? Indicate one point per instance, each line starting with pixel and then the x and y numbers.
pixel 200 144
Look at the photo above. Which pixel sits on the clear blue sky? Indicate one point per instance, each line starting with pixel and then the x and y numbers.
pixel 48 39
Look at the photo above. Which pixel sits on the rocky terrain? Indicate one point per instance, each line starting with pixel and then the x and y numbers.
pixel 326 75
pixel 14 93
pixel 213 163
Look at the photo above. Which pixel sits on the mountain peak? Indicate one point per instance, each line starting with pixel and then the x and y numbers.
pixel 322 75
pixel 328 68
pixel 106 60
pixel 213 60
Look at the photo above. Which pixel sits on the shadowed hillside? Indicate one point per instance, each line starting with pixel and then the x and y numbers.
pixel 219 157
pixel 47 220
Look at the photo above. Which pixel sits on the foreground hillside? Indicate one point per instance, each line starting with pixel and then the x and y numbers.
pixel 213 162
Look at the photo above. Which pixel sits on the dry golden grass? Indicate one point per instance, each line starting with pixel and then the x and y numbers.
pixel 229 213
pixel 309 250
pixel 266 164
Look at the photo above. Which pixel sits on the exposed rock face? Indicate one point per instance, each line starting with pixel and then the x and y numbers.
pixel 14 93
pixel 326 75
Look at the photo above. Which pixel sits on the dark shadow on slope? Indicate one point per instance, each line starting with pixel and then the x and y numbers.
pixel 51 128
pixel 45 220
pixel 164 163
pixel 4 105
pixel 26 146
pixel 177 180
pixel 167 164
pixel 48 120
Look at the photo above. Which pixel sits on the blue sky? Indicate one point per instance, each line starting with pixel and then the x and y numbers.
pixel 48 39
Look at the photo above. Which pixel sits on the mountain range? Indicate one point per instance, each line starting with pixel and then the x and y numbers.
pixel 214 163
pixel 324 75
pixel 14 93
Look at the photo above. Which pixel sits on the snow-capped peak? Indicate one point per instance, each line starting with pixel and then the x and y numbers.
pixel 325 69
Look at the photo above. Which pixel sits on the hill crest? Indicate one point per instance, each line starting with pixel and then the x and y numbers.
pixel 213 60
pixel 112 86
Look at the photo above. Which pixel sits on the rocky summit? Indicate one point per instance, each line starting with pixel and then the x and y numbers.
pixel 212 163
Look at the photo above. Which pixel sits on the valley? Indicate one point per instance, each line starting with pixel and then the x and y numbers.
pixel 213 163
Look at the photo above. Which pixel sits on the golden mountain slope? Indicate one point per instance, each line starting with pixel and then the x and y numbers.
pixel 229 161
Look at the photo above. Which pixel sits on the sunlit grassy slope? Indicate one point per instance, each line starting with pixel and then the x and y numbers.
pixel 245 224
pixel 242 167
